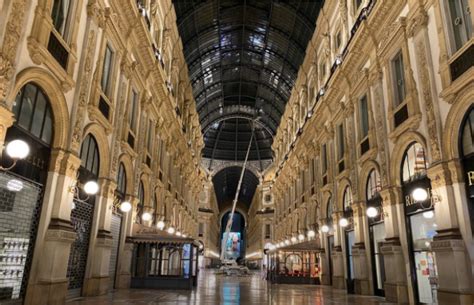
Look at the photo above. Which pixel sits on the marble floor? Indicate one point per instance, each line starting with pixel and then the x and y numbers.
pixel 221 290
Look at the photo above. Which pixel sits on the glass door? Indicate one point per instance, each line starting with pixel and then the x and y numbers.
pixel 330 247
pixel 377 236
pixel 423 229
pixel 350 241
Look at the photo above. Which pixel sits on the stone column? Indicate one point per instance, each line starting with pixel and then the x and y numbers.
pixel 6 120
pixel 324 258
pixel 359 255
pixel 338 278
pixel 48 283
pixel 452 259
pixel 124 267
pixel 395 278
pixel 97 279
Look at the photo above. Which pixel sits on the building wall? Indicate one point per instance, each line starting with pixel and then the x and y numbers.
pixel 328 91
pixel 162 152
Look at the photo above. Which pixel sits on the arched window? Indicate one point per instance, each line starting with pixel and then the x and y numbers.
pixel 90 155
pixel 330 209
pixel 33 113
pixel 373 185
pixel 121 180
pixel 141 201
pixel 347 199
pixel 414 163
pixel 467 137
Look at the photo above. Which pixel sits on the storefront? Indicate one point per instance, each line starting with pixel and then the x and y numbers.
pixel 376 230
pixel 82 214
pixel 347 224
pixel 421 226
pixel 163 261
pixel 467 154
pixel 296 264
pixel 21 190
pixel 116 224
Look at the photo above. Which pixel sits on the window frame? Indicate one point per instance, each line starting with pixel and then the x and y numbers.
pixel 452 43
pixel 398 102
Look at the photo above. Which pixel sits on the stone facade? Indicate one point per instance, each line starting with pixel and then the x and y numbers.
pixel 67 56
pixel 351 58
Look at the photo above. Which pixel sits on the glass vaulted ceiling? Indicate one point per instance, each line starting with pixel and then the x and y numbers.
pixel 243 58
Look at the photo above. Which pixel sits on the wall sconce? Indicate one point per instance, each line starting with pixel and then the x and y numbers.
pixel 343 222
pixel 322 91
pixel 372 212
pixel 293 239
pixel 311 234
pixel 125 206
pixel 17 150
pixel 147 216
pixel 338 60
pixel 300 237
pixel 421 194
pixel 90 188
pixel 171 230
pixel 160 224
pixel 325 229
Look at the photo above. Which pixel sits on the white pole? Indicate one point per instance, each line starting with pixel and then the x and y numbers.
pixel 236 197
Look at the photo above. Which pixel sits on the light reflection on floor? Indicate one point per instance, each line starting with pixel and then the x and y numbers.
pixel 221 290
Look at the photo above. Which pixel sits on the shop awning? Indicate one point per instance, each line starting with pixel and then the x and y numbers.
pixel 143 234
pixel 311 245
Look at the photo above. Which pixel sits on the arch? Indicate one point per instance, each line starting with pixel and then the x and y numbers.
pixel 415 163
pixel 160 204
pixel 54 92
pixel 367 167
pixel 90 156
pixel 102 144
pixel 126 160
pixel 144 179
pixel 122 179
pixel 399 150
pixel 141 201
pixel 347 199
pixel 237 209
pixel 454 120
pixel 342 186
pixel 326 199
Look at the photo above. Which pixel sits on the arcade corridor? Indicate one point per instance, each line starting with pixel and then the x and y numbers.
pixel 220 290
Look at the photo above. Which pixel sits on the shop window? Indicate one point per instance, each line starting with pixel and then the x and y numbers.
pixel 467 151
pixel 90 156
pixel 460 23
pixel 121 180
pixel 33 113
pixel 414 163
pixel 373 185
